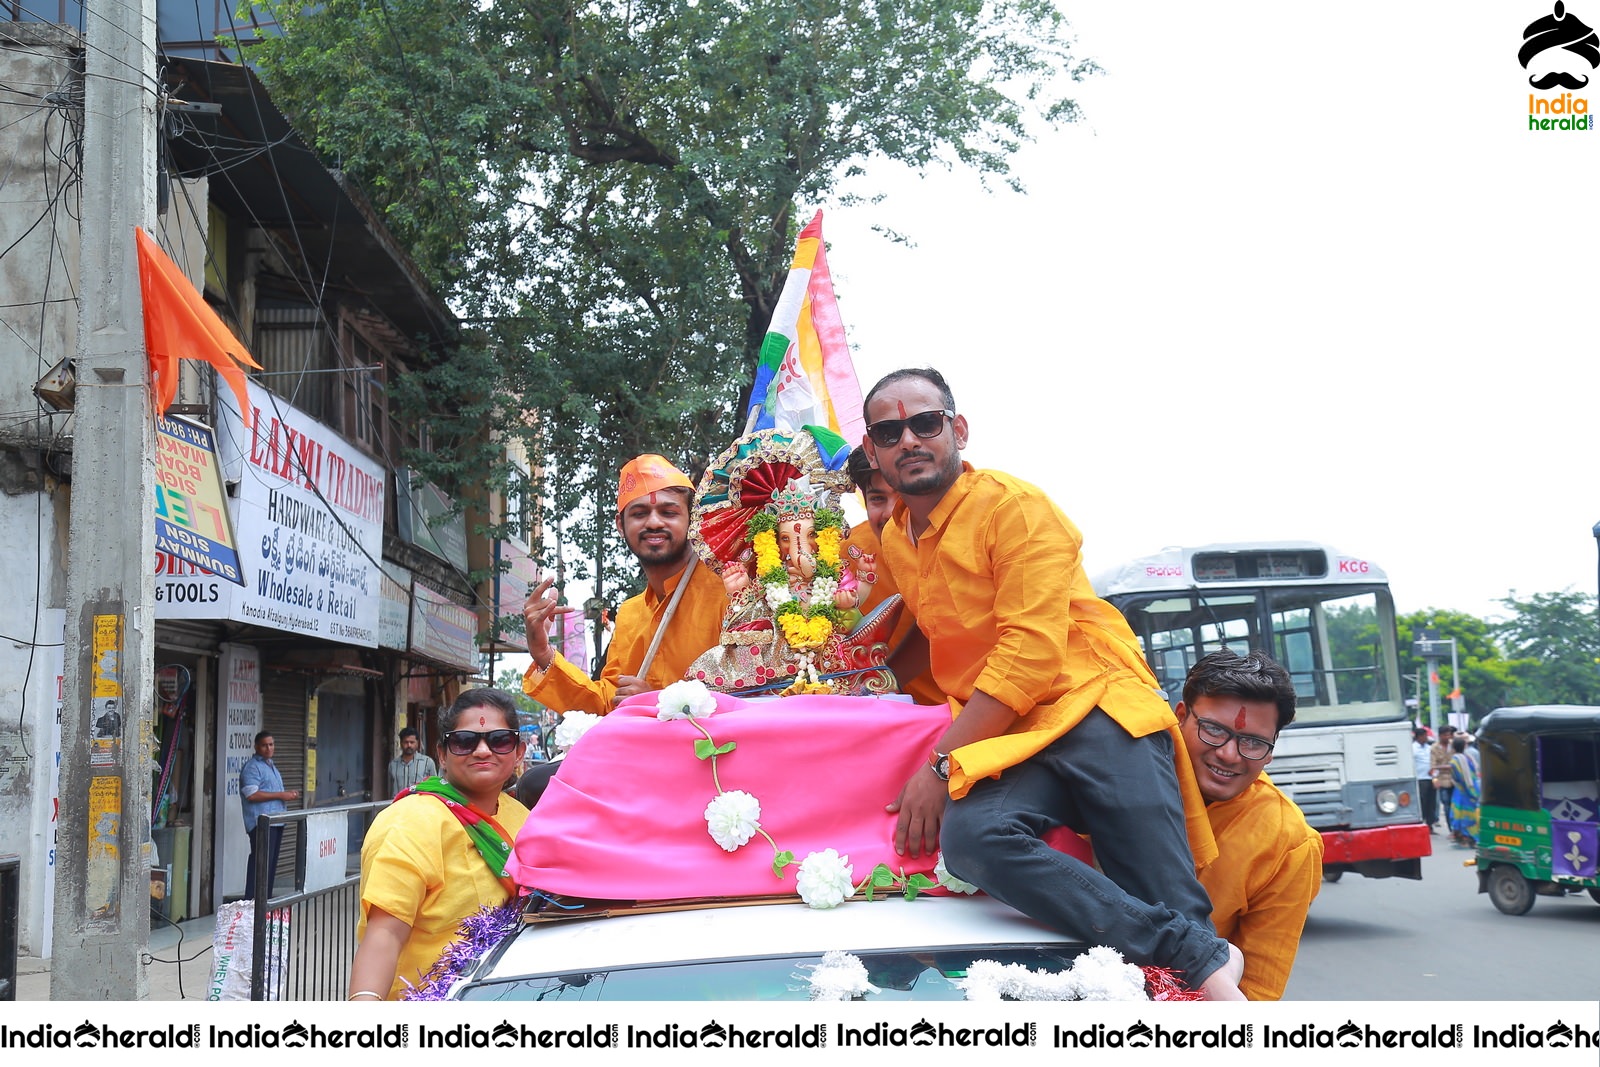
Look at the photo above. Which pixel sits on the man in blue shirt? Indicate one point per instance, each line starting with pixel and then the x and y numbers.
pixel 261 792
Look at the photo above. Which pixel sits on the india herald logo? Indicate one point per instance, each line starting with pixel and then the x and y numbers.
pixel 1559 41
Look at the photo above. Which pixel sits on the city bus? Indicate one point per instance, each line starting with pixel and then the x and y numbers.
pixel 1328 618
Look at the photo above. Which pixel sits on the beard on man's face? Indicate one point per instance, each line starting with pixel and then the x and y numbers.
pixel 656 544
pixel 925 474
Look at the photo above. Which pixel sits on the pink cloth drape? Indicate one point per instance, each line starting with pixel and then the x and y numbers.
pixel 624 817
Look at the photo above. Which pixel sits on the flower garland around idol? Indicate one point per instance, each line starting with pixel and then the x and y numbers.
pixel 806 624
pixel 825 879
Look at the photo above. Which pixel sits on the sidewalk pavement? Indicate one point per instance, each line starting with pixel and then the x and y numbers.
pixel 179 963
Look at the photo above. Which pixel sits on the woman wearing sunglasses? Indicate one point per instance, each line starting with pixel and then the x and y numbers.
pixel 438 854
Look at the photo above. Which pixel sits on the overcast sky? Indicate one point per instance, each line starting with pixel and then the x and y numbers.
pixel 1302 272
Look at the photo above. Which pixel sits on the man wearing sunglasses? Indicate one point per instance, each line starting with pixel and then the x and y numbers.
pixel 1269 863
pixel 654 500
pixel 1058 722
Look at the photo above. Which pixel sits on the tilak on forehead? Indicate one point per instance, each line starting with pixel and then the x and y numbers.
pixel 482 721
pixel 1238 720
pixel 901 404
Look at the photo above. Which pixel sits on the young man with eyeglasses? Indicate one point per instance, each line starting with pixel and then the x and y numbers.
pixel 1269 863
pixel 1057 718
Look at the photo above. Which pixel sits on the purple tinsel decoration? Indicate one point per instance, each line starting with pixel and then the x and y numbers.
pixel 477 934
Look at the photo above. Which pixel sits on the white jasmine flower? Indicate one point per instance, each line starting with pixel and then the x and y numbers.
pixel 822 589
pixel 1102 974
pixel 840 976
pixel 825 879
pixel 990 980
pixel 778 595
pixel 733 818
pixel 1098 974
pixel 574 724
pixel 685 700
pixel 942 875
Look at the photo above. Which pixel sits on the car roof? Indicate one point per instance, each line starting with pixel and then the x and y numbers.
pixel 628 938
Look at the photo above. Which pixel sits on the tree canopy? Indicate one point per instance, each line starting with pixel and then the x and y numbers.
pixel 609 190
pixel 1544 651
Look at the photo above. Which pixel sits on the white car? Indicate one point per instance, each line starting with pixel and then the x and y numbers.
pixel 763 950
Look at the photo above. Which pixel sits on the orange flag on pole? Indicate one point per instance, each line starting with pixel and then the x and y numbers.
pixel 179 324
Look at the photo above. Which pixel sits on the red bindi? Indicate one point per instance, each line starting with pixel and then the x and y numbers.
pixel 1238 720
pixel 901 404
pixel 484 722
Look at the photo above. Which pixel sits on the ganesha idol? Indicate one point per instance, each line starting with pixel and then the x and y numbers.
pixel 766 517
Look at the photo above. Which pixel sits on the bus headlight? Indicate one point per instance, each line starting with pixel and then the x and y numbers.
pixel 1388 801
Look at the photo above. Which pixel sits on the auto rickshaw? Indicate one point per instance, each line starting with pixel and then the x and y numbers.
pixel 1539 807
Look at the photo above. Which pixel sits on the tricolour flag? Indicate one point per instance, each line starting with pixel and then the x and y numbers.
pixel 179 324
pixel 805 377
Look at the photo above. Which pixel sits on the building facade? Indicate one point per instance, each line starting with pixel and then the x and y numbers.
pixel 358 613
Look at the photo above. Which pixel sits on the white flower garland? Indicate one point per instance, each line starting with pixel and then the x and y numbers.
pixel 573 725
pixel 733 817
pixel 685 700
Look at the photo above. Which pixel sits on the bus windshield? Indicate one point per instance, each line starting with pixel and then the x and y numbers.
pixel 1336 641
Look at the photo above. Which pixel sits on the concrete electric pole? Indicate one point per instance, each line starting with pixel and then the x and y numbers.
pixel 102 897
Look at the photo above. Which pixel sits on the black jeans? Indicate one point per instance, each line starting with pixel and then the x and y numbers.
pixel 274 843
pixel 1123 790
pixel 1429 801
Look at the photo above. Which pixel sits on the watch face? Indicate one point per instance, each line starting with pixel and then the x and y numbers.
pixel 942 767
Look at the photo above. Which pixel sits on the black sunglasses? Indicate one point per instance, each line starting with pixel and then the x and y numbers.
pixel 924 424
pixel 465 742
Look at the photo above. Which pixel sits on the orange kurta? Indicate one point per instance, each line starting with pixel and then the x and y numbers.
pixel 695 627
pixel 997 585
pixel 1268 870
pixel 922 688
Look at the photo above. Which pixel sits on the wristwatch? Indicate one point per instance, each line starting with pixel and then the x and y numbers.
pixel 940 765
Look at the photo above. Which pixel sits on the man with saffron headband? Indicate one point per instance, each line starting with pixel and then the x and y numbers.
pixel 653 505
pixel 1269 863
pixel 438 854
pixel 1057 718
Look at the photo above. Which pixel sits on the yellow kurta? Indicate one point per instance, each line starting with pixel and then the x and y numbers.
pixel 997 585
pixel 922 688
pixel 1268 870
pixel 695 627
pixel 419 865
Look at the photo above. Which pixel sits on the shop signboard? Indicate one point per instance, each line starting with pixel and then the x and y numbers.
pixel 442 630
pixel 309 516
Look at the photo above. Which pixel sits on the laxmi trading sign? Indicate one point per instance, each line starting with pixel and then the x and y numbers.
pixel 309 515
pixel 192 521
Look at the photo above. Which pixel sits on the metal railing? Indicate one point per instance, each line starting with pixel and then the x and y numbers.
pixel 304 940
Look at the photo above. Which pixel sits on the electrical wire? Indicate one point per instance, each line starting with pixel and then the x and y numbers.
pixel 317 301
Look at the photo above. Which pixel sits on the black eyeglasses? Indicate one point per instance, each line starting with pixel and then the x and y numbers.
pixel 1216 735
pixel 924 424
pixel 465 742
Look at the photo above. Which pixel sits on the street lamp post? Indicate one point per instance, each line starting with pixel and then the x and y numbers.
pixel 1429 646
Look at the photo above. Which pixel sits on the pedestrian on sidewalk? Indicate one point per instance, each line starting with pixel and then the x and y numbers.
pixel 1423 765
pixel 261 792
